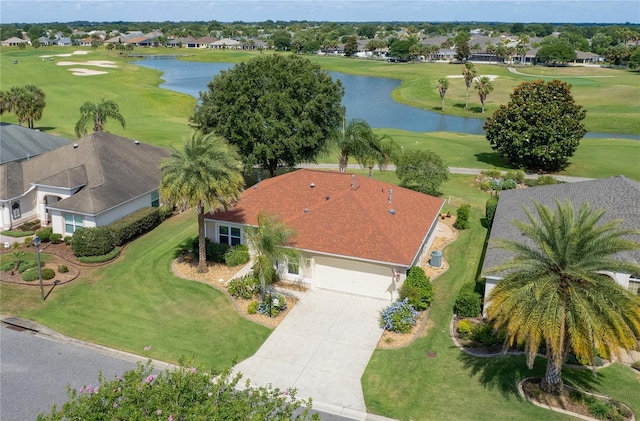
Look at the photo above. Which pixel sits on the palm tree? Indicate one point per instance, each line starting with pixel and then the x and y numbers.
pixel 379 150
pixel 207 173
pixel 268 242
pixel 468 73
pixel 97 114
pixel 556 293
pixel 484 88
pixel 443 85
pixel 352 140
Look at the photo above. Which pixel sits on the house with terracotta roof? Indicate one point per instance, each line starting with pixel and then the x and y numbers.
pixel 619 196
pixel 358 235
pixel 91 182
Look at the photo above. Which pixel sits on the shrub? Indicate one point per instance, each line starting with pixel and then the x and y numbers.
pixel 463 214
pixel 30 275
pixel 490 209
pixel 215 251
pixel 25 265
pixel 55 238
pixel 252 308
pixel 468 302
pixel 7 266
pixel 63 269
pixel 67 240
pixel 636 365
pixel 599 409
pixel 89 242
pixel 485 185
pixel 398 317
pixel 28 241
pixel 417 289
pixel 245 287
pixel 100 259
pixel 515 175
pixel 15 245
pixel 16 233
pixel 464 328
pixel 494 173
pixel 546 180
pixel 134 224
pixel 45 234
pixel 48 273
pixel 485 334
pixel 508 184
pixel 237 255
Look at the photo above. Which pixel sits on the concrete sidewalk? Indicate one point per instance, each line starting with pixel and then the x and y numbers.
pixel 321 348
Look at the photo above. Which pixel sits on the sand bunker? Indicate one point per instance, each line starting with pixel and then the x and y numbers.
pixel 85 72
pixel 67 55
pixel 491 77
pixel 97 63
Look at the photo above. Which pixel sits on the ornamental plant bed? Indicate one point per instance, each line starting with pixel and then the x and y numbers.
pixel 577 402
pixel 53 262
pixel 467 342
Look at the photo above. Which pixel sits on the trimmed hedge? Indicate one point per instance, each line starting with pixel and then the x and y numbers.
pixel 417 289
pixel 215 251
pixel 32 274
pixel 490 209
pixel 88 242
pixel 45 234
pixel 468 302
pixel 134 224
pixel 100 259
pixel 463 213
pixel 17 234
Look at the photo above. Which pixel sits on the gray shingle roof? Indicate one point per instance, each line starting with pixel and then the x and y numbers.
pixel 619 196
pixel 18 143
pixel 111 170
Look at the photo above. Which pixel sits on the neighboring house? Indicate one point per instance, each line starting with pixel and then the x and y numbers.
pixel 619 196
pixel 93 182
pixel 18 143
pixel 358 235
pixel 13 41
pixel 225 43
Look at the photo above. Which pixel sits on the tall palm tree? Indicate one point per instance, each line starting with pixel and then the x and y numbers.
pixel 96 114
pixel 484 88
pixel 268 242
pixel 468 73
pixel 207 173
pixel 443 85
pixel 380 150
pixel 555 292
pixel 352 140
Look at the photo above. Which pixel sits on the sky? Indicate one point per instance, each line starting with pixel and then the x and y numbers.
pixel 524 11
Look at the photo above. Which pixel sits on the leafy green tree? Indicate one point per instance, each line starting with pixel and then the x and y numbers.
pixel 268 242
pixel 186 393
pixel 276 109
pixel 35 43
pixel 207 175
pixel 354 137
pixel 555 293
pixel 374 44
pixel 443 85
pixel 556 51
pixel 634 58
pixel 400 48
pixel 617 54
pixel 96 114
pixel 351 46
pixel 468 73
pixel 600 42
pixel 539 128
pixel 461 42
pixel 484 88
pixel 422 171
pixel 281 40
pixel 367 30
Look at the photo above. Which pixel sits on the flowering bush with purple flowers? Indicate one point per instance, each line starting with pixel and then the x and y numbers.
pixel 399 317
pixel 186 393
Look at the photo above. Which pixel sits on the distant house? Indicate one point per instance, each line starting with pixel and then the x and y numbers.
pixel 225 43
pixel 92 182
pixel 358 235
pixel 620 197
pixel 13 42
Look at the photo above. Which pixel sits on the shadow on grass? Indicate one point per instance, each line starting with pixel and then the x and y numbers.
pixel 492 158
pixel 472 108
pixel 503 372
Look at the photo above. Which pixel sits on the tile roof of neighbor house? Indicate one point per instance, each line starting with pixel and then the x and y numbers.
pixel 111 169
pixel 619 196
pixel 18 143
pixel 332 217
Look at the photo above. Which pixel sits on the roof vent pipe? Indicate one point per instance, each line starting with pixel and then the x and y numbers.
pixel 137 142
pixel 390 194
pixel 353 181
pixel 75 146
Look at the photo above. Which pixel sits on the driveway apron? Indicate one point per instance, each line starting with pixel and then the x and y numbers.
pixel 321 348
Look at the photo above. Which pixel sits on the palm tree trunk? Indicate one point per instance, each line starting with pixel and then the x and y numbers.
pixel 202 245
pixel 343 163
pixel 466 104
pixel 442 104
pixel 552 381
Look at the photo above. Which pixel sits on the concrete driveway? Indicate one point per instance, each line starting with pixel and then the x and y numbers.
pixel 321 348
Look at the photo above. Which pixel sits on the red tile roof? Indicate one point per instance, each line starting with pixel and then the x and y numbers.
pixel 332 217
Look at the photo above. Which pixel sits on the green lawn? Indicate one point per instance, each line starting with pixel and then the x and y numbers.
pixel 137 302
pixel 406 384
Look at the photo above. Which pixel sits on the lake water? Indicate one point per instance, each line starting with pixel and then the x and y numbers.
pixel 368 98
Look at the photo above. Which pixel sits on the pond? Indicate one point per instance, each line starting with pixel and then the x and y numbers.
pixel 368 98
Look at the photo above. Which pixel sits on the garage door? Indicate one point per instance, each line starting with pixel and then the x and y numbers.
pixel 353 277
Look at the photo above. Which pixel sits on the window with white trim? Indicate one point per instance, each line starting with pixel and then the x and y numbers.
pixel 155 199
pixel 72 223
pixel 229 235
pixel 293 267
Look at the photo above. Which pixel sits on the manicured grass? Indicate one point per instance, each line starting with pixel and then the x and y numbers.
pixel 137 302
pixel 406 384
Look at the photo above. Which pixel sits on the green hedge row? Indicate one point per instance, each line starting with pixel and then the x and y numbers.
pixel 141 221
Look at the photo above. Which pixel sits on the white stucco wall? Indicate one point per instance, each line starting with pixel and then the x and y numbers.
pixel 112 215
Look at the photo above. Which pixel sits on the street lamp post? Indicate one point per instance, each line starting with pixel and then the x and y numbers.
pixel 36 242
